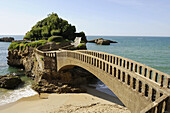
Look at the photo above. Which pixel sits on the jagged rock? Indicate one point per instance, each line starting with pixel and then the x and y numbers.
pixel 9 81
pixel 102 41
pixel 6 39
pixel 44 87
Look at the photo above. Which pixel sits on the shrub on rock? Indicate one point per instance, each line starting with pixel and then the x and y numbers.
pixel 55 39
pixel 55 32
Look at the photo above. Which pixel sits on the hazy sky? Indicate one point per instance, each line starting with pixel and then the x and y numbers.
pixel 95 17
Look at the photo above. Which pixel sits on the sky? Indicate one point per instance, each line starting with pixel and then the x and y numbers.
pixel 94 17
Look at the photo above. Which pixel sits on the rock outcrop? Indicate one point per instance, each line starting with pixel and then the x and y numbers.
pixel 6 39
pixel 65 81
pixel 41 68
pixel 9 81
pixel 101 41
pixel 45 87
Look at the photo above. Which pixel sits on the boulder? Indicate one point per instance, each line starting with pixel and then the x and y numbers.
pixel 6 39
pixel 44 87
pixel 101 41
pixel 9 81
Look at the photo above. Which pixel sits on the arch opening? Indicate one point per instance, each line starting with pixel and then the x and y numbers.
pixel 97 85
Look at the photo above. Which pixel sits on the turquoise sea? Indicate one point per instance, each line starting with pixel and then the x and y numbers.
pixel 151 51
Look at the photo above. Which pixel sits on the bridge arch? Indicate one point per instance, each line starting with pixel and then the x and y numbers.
pixel 139 87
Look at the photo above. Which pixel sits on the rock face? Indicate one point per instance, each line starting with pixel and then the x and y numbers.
pixel 101 41
pixel 41 68
pixel 45 87
pixel 9 81
pixel 65 81
pixel 6 39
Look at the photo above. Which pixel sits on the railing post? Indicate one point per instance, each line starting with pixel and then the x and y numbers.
pixel 108 68
pixel 163 106
pixel 143 88
pixel 167 82
pixel 137 85
pixel 131 82
pixel 121 76
pixel 150 93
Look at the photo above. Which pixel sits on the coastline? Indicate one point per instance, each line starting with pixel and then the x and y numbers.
pixel 91 101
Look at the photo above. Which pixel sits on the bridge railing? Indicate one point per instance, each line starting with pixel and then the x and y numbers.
pixel 120 68
pixel 137 83
pixel 159 77
pixel 159 106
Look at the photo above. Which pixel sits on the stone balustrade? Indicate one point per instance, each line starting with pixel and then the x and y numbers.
pixel 161 78
pixel 147 82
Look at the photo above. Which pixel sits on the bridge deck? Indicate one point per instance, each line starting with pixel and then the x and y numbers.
pixel 147 82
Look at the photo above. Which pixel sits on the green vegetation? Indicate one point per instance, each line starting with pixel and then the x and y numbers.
pixel 14 45
pixel 50 29
pixel 35 60
pixel 73 48
pixel 55 39
pixel 53 26
pixel 37 43
pixel 23 45
pixel 81 46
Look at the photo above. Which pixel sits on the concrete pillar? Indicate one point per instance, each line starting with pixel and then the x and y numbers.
pixel 137 85
pixel 131 82
pixel 108 68
pixel 116 60
pixel 126 78
pixel 160 79
pixel 154 76
pixel 130 66
pixel 143 89
pixel 150 93
pixel 116 72
pixel 163 106
pixel 139 68
pixel 156 109
pixel 166 81
pixel 105 67
pixel 143 71
pixel 121 75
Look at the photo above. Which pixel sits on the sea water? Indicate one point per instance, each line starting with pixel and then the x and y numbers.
pixel 8 96
pixel 151 51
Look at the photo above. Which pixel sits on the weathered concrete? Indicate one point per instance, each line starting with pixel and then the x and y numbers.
pixel 139 87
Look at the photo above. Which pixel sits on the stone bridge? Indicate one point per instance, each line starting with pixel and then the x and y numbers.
pixel 141 89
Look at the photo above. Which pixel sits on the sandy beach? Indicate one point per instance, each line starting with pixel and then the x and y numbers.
pixel 91 102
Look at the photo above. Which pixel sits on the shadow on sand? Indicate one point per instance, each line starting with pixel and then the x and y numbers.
pixel 94 92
